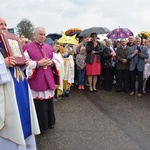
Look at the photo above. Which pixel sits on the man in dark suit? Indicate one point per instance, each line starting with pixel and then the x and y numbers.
pixel 137 54
pixel 122 67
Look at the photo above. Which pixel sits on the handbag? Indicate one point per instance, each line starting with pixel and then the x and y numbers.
pixel 109 63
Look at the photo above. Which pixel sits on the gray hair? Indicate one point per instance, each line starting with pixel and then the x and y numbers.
pixel 137 38
pixel 108 41
pixel 37 29
pixel 122 39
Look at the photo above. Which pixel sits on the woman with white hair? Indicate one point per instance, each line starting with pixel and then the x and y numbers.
pixel 109 61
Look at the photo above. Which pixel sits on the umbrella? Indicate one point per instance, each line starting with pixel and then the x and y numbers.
pixel 54 36
pixel 49 41
pixel 98 30
pixel 120 33
pixel 72 31
pixel 68 39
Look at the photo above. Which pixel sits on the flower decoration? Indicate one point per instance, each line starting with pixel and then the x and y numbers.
pixel 144 34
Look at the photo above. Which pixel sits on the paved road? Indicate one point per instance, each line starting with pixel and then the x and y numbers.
pixel 99 121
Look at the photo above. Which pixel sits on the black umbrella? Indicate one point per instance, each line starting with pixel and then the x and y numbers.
pixel 54 36
pixel 98 30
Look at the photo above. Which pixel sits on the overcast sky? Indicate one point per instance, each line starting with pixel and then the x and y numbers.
pixel 59 15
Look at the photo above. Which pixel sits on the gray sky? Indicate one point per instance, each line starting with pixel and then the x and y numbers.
pixel 59 15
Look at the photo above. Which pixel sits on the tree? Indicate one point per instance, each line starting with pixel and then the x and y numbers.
pixel 25 27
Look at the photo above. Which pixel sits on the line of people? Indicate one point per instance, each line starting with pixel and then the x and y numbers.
pixel 128 62
pixel 124 61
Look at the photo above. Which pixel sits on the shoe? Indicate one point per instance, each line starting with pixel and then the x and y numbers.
pixel 90 90
pixel 132 93
pixel 118 91
pixel 82 87
pixel 55 99
pixel 143 91
pixel 63 95
pixel 126 91
pixel 106 89
pixel 139 95
pixel 95 90
pixel 51 127
pixel 67 94
pixel 59 97
pixel 43 131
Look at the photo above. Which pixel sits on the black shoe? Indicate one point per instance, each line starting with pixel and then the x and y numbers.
pixel 126 91
pixel 106 89
pixel 67 94
pixel 43 131
pixel 51 127
pixel 118 91
pixel 94 90
pixel 62 95
pixel 90 90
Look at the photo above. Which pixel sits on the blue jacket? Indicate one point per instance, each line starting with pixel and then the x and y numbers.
pixel 137 60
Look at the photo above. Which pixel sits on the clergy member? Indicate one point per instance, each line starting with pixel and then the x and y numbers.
pixel 18 120
pixel 42 77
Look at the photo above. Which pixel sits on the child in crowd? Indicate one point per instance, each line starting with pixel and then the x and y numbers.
pixel 68 70
pixel 58 57
pixel 80 62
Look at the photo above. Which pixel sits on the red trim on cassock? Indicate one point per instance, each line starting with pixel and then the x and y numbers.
pixel 41 98
pixel 55 71
pixel 33 73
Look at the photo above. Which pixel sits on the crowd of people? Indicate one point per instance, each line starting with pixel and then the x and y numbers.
pixel 125 62
pixel 27 100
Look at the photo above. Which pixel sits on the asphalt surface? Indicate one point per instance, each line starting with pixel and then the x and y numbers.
pixel 99 121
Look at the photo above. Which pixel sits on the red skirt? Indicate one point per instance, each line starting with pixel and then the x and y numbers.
pixel 93 69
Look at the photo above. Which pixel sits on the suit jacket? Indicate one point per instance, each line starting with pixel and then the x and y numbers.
pixel 137 60
pixel 122 54
pixel 98 51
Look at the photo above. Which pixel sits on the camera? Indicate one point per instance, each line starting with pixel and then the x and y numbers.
pixel 138 48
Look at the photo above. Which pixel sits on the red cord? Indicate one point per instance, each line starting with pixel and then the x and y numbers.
pixel 8 60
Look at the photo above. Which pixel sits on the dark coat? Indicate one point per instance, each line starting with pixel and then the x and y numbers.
pixel 98 52
pixel 122 54
pixel 108 61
